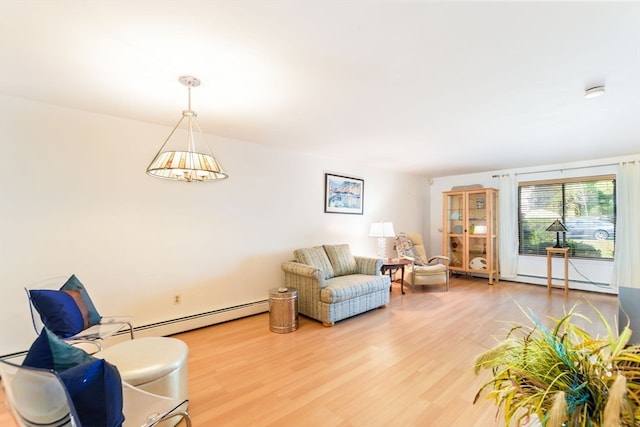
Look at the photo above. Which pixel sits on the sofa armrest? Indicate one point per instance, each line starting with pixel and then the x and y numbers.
pixel 297 275
pixel 309 282
pixel 368 265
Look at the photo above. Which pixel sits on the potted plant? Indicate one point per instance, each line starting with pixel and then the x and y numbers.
pixel 564 376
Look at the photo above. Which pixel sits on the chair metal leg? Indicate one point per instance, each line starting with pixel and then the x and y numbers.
pixel 184 414
pixel 413 277
pixel 130 329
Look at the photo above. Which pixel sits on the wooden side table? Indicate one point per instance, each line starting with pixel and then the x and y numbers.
pixel 565 255
pixel 393 266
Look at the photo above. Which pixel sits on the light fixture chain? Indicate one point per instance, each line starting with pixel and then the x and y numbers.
pixel 192 143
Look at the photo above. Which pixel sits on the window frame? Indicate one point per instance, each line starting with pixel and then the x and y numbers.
pixel 578 249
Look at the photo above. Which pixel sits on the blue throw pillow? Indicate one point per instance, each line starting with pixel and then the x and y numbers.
pixel 59 311
pixel 73 284
pixel 94 385
pixel 50 352
pixel 68 311
pixel 95 389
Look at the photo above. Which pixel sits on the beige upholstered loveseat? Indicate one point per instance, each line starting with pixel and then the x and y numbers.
pixel 333 284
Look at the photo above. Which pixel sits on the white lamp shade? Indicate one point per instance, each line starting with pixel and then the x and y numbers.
pixel 382 229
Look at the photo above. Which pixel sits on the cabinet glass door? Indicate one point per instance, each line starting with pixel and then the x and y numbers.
pixel 455 214
pixel 477 230
pixel 456 252
pixel 478 214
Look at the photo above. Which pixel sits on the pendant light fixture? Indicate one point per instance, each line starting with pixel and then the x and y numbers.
pixel 187 160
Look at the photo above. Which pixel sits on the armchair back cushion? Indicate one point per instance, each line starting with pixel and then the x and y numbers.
pixel 341 259
pixel 418 246
pixel 315 257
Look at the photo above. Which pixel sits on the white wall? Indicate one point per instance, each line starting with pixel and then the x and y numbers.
pixel 75 199
pixel 533 269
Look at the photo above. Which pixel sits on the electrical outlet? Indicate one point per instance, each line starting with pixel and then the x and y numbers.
pixel 176 299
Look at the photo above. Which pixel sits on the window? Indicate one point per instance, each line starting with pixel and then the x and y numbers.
pixel 586 206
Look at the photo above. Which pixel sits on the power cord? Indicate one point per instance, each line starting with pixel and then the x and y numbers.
pixel 599 285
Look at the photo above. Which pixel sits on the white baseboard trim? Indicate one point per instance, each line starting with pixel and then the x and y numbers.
pixel 196 321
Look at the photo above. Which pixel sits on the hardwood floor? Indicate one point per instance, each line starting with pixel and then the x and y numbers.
pixel 409 364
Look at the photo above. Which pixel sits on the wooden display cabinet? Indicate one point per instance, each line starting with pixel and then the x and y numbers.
pixel 470 231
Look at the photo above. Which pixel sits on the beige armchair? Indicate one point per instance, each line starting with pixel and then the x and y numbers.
pixel 423 270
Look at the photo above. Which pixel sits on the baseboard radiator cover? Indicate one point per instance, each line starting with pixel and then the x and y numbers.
pixel 176 326
pixel 578 285
pixel 195 321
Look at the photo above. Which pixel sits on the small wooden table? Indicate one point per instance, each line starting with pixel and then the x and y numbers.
pixel 393 266
pixel 565 254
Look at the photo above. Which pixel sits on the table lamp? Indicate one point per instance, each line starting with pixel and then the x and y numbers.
pixel 382 230
pixel 558 227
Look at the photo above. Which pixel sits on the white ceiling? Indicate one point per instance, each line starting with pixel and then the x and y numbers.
pixel 436 88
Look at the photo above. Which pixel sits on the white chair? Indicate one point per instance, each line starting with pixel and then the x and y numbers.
pixel 38 397
pixel 423 270
pixel 108 325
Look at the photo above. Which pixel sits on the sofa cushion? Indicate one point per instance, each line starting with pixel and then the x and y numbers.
pixel 341 259
pixel 342 288
pixel 315 257
pixel 430 270
pixel 404 247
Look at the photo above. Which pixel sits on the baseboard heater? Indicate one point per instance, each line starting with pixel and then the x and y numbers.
pixel 531 279
pixel 195 321
pixel 184 324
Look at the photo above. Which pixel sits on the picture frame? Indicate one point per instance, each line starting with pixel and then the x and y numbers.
pixel 343 194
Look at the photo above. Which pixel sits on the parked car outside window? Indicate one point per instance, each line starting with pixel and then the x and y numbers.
pixel 590 228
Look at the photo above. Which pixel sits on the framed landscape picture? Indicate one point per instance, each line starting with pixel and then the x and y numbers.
pixel 343 194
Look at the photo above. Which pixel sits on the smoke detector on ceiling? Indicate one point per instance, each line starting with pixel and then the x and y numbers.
pixel 594 92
